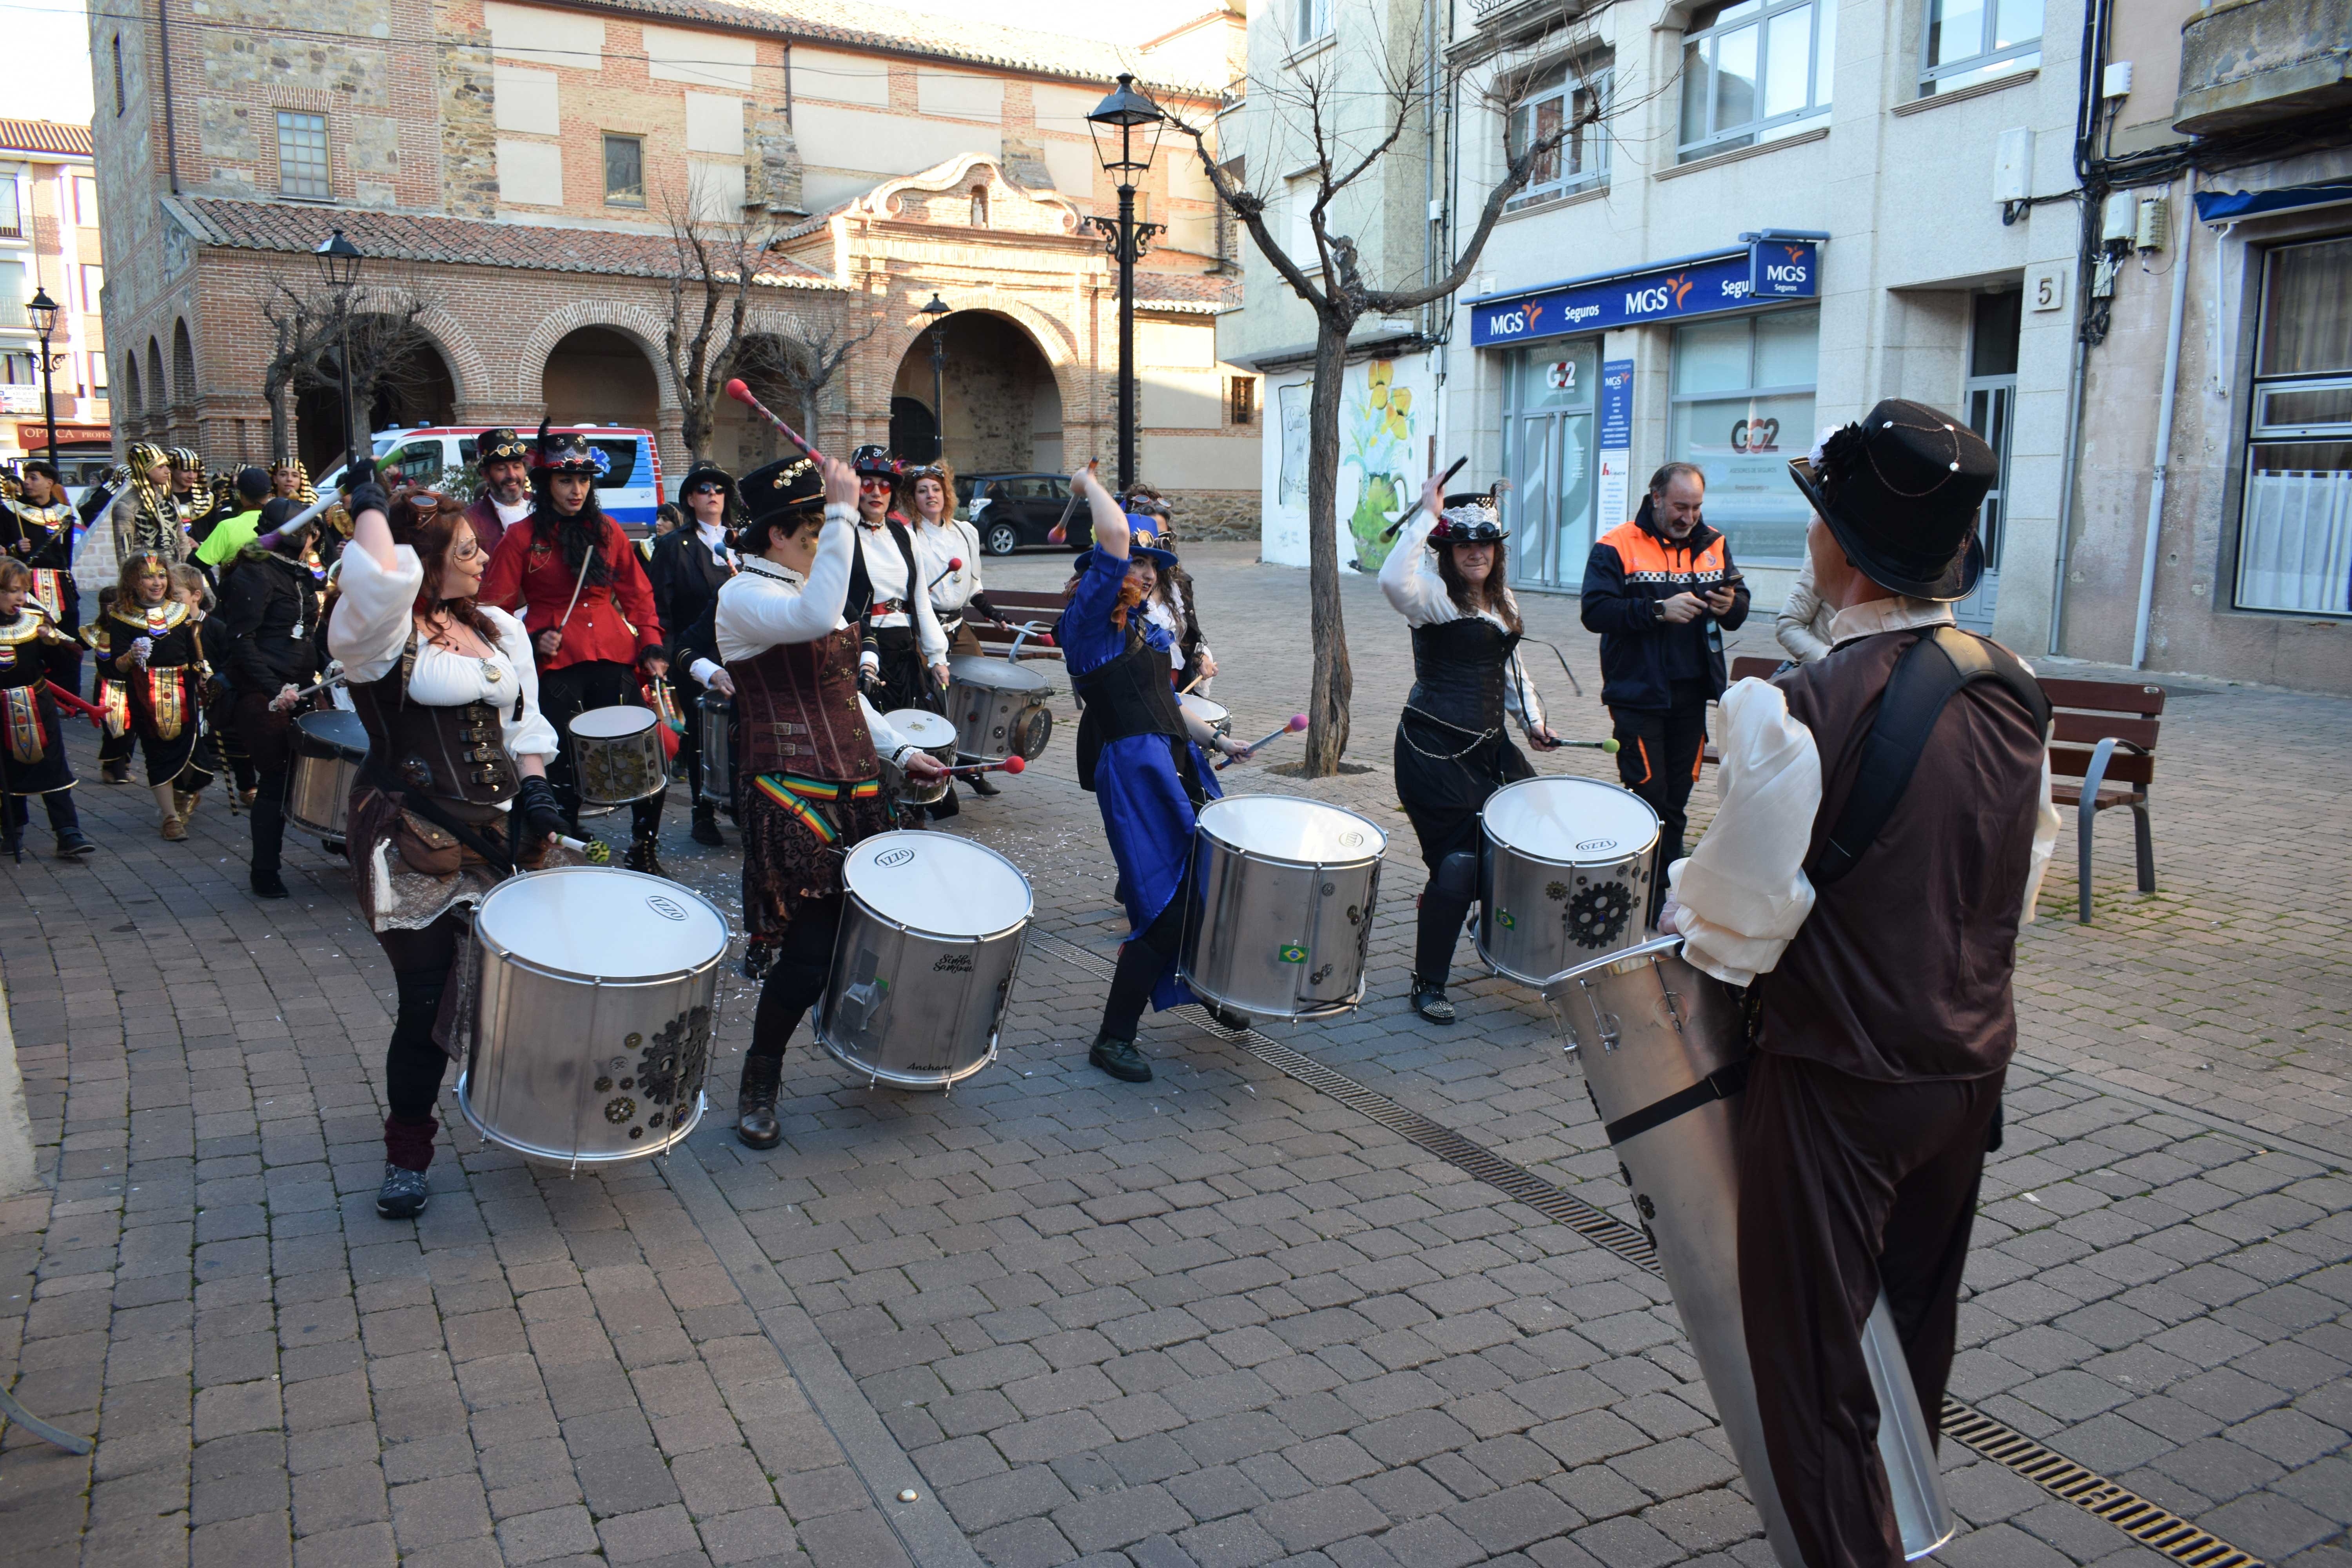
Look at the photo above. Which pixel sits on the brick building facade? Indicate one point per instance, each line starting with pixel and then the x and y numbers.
pixel 515 168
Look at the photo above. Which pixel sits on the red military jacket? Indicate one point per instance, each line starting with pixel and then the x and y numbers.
pixel 614 621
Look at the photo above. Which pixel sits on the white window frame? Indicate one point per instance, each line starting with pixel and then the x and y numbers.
pixel 2015 57
pixel 1590 147
pixel 2307 528
pixel 1310 22
pixel 287 179
pixel 1737 18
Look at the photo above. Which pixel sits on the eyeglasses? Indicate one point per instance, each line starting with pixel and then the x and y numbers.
pixel 707 490
pixel 465 552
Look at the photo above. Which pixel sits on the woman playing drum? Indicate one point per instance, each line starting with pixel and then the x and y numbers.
pixel 947 554
pixel 1172 605
pixel 810 749
pixel 448 692
pixel 1445 577
pixel 1141 754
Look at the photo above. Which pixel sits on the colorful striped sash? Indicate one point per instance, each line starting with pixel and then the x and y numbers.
pixel 794 793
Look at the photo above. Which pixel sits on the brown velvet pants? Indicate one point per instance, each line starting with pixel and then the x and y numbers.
pixel 1846 1185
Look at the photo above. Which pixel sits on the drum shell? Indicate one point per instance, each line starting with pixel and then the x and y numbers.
pixel 717 717
pixel 544 1039
pixel 619 770
pixel 319 782
pixel 1255 912
pixel 1536 911
pixel 895 780
pixel 1647 1025
pixel 998 709
pixel 1213 714
pixel 933 1020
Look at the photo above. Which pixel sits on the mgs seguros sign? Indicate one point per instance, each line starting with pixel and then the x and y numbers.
pixel 1766 269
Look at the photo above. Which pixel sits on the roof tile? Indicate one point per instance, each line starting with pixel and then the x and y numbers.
pixel 43 136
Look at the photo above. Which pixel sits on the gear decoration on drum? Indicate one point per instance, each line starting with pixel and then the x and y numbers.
pixel 1596 916
pixel 620 1109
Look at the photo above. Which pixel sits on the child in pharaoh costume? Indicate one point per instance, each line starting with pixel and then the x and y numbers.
pixel 32 743
pixel 152 675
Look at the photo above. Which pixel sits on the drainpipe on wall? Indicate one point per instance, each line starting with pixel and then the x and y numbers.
pixel 2163 444
pixel 2070 469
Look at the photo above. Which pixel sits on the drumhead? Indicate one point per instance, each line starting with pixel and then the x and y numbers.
pixel 1576 822
pixel 1210 713
pixel 335 728
pixel 922 727
pixel 938 884
pixel 1287 828
pixel 613 723
pixel 997 674
pixel 602 921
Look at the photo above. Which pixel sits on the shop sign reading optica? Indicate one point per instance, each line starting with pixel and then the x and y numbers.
pixel 1773 270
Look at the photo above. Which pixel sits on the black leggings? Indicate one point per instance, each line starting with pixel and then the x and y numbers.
pixel 422 962
pixel 796 979
pixel 1143 958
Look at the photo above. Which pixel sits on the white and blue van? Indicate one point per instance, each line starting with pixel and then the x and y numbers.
pixel 629 490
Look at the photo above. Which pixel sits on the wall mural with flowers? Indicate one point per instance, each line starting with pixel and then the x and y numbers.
pixel 1383 424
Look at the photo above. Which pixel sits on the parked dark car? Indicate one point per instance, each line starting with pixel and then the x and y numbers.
pixel 1013 510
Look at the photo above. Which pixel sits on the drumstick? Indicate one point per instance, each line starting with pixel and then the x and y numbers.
pixel 335 680
pixel 1009 765
pixel 1060 532
pixel 1610 746
pixel 597 854
pixel 1398 526
pixel 1297 722
pixel 742 394
pixel 955 563
pixel 1192 683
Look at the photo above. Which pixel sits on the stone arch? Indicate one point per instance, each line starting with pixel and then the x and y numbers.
pixel 468 368
pixel 642 326
pixel 183 362
pixel 597 374
pixel 999 410
pixel 159 388
pixel 134 405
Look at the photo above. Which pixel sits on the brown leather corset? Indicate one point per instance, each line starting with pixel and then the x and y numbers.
pixel 452 754
pixel 796 710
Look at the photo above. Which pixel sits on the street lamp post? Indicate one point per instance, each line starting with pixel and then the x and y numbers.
pixel 938 311
pixel 339 265
pixel 1127 127
pixel 44 311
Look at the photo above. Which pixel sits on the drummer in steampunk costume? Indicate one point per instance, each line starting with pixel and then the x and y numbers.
pixel 502 458
pixel 152 676
pixel 1173 602
pixel 582 589
pixel 1881 961
pixel 454 795
pixel 1452 749
pixel 36 528
pixel 689 565
pixel 1143 757
pixel 33 654
pixel 810 748
pixel 904 661
pixel 947 556
pixel 269 615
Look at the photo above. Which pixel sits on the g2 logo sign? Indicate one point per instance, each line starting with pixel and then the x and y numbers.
pixel 1756 435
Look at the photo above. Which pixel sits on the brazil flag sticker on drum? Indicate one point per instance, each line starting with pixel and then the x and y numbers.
pixel 1291 952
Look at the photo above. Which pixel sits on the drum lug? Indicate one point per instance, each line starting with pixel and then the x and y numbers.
pixel 1604 1023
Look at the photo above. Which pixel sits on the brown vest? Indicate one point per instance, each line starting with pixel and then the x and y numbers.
pixel 796 710
pixel 1902 971
pixel 451 753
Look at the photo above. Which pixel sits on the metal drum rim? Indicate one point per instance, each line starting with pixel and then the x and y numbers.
pixel 669 1140
pixel 490 944
pixel 896 1079
pixel 1319 1011
pixel 1000 933
pixel 1375 857
pixel 631 733
pixel 1614 858
pixel 1668 946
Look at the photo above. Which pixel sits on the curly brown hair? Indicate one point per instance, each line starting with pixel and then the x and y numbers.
pixel 427 521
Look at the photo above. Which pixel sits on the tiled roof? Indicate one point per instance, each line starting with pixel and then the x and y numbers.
pixel 1186 289
pixel 292 228
pixel 43 136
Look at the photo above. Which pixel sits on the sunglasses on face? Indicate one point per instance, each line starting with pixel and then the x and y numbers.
pixel 870 483
pixel 708 490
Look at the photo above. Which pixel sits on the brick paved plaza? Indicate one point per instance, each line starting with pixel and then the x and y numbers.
pixel 1220 1319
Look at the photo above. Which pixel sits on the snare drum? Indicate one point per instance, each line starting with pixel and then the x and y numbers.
pixel 1288 887
pixel 718 721
pixel 928 732
pixel 998 707
pixel 930 937
pixel 1565 878
pixel 616 756
pixel 328 749
pixel 594 990
pixel 1213 714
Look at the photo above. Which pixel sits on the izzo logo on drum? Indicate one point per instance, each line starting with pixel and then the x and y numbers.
pixel 668 1071
pixel 894 857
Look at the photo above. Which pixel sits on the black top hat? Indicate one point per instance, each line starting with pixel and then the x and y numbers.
pixel 503 445
pixel 568 452
pixel 786 486
pixel 1901 492
pixel 1468 520
pixel 874 461
pixel 704 472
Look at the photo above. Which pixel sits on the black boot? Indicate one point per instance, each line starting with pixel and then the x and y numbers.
pixel 408 1155
pixel 706 825
pixel 980 784
pixel 1429 1001
pixel 755 1102
pixel 641 857
pixel 1121 1060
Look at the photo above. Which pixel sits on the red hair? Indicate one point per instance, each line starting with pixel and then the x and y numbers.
pixel 427 521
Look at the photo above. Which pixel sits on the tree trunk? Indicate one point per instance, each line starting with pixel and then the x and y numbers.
pixel 279 446
pixel 1334 683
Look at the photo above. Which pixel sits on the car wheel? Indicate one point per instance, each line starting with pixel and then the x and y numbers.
pixel 1001 539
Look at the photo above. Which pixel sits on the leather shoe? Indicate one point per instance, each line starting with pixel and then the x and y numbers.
pixel 267 885
pixel 75 847
pixel 1121 1060
pixel 1430 1002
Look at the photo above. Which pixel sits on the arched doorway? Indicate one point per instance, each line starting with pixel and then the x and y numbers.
pixel 600 376
pixel 403 381
pixel 1004 412
pixel 914 434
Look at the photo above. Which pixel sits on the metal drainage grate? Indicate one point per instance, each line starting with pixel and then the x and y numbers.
pixel 2062 1478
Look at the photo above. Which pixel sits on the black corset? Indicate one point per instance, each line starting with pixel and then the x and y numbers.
pixel 1457 668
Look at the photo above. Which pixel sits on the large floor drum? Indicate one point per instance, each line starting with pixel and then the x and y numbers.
pixel 1650 1030
pixel 998 707
pixel 717 717
pixel 616 756
pixel 328 749
pixel 1565 876
pixel 1288 887
pixel 594 998
pixel 932 934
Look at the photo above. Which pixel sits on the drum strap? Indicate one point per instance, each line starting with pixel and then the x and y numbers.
pixel 1930 673
pixel 1721 1084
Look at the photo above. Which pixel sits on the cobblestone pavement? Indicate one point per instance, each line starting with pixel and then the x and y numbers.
pixel 1220 1319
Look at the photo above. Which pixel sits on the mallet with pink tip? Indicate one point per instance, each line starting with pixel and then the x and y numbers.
pixel 1297 722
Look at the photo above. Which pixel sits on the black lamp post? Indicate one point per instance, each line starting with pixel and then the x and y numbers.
pixel 44 311
pixel 338 266
pixel 938 311
pixel 1127 127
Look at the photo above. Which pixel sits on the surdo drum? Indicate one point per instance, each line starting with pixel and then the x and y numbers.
pixel 1664 1052
pixel 329 751
pixel 931 934
pixel 998 709
pixel 1565 878
pixel 593 991
pixel 1213 714
pixel 716 718
pixel 1288 887
pixel 616 756
pixel 928 732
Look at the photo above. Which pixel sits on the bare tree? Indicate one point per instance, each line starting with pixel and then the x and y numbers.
pixel 1342 119
pixel 803 358
pixel 391 351
pixel 717 258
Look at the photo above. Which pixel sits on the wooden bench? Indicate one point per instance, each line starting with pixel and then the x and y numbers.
pixel 1019 605
pixel 2090 723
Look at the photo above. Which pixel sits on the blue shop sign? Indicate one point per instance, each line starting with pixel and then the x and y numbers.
pixel 1699 286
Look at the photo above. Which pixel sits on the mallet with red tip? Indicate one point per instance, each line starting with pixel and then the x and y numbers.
pixel 1297 722
pixel 742 394
pixel 1009 765
pixel 955 564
